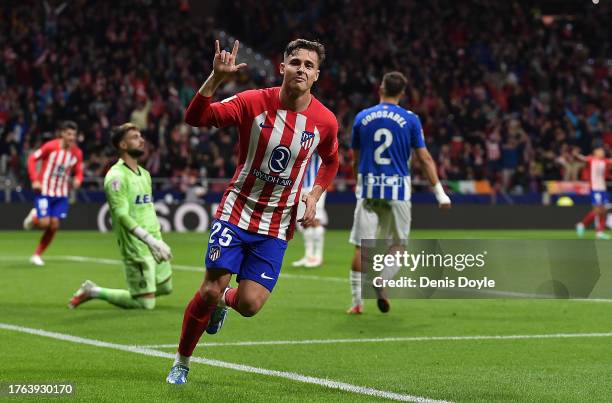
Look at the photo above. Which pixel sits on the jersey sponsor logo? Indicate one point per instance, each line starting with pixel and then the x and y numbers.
pixel 307 139
pixel 277 180
pixel 143 199
pixel 279 159
pixel 384 181
pixel 215 253
pixel 59 170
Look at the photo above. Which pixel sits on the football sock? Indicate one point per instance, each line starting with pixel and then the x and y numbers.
pixel 196 318
pixel 123 299
pixel 356 287
pixel 318 241
pixel 230 297
pixel 309 235
pixel 181 360
pixel 601 225
pixel 389 272
pixel 45 240
pixel 588 218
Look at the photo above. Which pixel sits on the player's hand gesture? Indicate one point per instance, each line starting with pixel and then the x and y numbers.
pixel 224 63
pixel 310 212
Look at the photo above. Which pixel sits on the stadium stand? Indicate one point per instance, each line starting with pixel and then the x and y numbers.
pixel 503 91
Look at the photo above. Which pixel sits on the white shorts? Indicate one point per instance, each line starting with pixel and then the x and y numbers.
pixel 381 219
pixel 320 214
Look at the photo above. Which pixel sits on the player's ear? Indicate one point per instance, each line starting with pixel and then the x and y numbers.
pixel 282 69
pixel 317 75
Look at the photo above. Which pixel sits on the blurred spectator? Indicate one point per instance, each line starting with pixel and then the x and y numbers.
pixel 500 94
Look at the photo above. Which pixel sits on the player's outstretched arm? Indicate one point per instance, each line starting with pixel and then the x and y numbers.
pixel 199 112
pixel 429 168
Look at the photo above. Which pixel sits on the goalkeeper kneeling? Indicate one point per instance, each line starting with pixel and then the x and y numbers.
pixel 145 255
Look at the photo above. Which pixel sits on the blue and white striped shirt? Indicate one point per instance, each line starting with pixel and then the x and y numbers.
pixel 384 136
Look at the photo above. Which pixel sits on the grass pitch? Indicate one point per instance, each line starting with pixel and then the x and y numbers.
pixel 307 304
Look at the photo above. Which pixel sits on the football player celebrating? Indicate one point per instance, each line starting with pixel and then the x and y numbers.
pixel 279 129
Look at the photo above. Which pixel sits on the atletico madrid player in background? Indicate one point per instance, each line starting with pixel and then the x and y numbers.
pixel 598 167
pixel 279 130
pixel 61 158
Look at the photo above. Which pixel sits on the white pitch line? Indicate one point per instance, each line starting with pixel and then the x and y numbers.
pixel 393 339
pixel 327 383
pixel 179 267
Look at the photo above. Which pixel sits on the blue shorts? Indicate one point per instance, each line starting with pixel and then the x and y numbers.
pixel 599 198
pixel 48 206
pixel 251 256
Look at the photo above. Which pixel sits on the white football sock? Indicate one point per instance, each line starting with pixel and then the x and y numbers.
pixel 356 287
pixel 318 241
pixel 309 241
pixel 95 291
pixel 222 302
pixel 389 272
pixel 181 360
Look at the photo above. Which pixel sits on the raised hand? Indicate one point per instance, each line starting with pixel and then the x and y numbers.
pixel 224 63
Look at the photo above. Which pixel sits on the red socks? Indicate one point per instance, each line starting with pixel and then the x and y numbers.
pixel 196 318
pixel 231 298
pixel 602 222
pixel 45 241
pixel 588 218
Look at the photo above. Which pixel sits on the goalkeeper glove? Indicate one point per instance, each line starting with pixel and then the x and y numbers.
pixel 441 196
pixel 159 249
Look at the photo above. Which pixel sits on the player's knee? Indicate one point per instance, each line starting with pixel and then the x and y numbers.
pixel 164 288
pixel 43 223
pixel 249 308
pixel 54 224
pixel 211 293
pixel 146 303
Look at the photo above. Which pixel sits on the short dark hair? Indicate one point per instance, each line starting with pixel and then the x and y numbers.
pixel 120 131
pixel 67 124
pixel 394 83
pixel 298 44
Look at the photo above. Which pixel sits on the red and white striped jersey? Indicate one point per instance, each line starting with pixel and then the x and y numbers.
pixel 598 172
pixel 57 165
pixel 275 146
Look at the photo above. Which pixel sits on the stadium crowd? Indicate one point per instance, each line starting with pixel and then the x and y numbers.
pixel 504 93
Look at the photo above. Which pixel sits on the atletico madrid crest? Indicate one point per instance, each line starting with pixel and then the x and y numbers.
pixel 307 139
pixel 215 253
